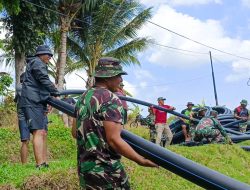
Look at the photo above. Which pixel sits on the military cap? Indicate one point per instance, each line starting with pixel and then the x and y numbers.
pixel 244 102
pixel 108 67
pixel 202 109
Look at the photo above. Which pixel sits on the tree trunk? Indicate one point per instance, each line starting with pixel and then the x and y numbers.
pixel 19 66
pixel 61 63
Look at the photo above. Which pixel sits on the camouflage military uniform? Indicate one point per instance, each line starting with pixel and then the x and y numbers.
pixel 99 166
pixel 150 119
pixel 210 129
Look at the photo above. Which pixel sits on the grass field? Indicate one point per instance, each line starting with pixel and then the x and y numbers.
pixel 227 159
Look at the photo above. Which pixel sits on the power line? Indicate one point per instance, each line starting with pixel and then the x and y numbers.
pixel 183 36
pixel 59 13
pixel 80 20
pixel 170 47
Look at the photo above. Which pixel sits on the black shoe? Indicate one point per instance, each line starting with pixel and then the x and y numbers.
pixel 43 165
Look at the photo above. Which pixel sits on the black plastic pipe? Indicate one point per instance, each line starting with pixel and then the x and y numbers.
pixel 246 148
pixel 237 138
pixel 133 101
pixel 64 92
pixel 196 173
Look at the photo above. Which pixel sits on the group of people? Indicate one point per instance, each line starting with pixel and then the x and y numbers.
pixel 99 120
pixel 196 126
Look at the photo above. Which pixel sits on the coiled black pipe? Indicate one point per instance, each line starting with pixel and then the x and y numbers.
pixel 196 173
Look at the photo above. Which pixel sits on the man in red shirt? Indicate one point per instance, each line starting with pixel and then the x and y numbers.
pixel 161 122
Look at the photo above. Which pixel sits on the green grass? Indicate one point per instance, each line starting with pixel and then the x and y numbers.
pixel 229 160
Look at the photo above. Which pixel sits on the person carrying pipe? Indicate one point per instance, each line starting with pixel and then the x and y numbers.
pixel 162 128
pixel 241 113
pixel 97 129
pixel 209 130
pixel 185 124
pixel 36 89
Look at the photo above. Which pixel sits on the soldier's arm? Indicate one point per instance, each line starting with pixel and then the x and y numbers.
pixel 113 135
pixel 220 128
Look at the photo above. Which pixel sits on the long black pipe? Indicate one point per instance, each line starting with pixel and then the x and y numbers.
pixel 246 148
pixel 129 99
pixel 196 173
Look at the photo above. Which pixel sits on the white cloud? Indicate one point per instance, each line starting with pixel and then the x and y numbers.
pixel 142 74
pixel 156 3
pixel 130 88
pixel 209 32
pixel 246 3
pixel 241 70
pixel 192 2
pixel 75 82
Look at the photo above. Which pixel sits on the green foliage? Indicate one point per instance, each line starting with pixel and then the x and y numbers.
pixel 134 112
pixel 5 82
pixel 60 139
pixel 11 6
pixel 29 27
pixel 109 30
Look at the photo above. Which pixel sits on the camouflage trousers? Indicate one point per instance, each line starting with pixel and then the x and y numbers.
pixel 103 178
pixel 152 133
pixel 243 127
pixel 192 131
pixel 209 134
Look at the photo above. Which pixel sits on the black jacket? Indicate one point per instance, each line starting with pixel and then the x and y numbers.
pixel 37 86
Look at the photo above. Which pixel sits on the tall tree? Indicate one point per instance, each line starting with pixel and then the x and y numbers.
pixel 110 29
pixel 26 29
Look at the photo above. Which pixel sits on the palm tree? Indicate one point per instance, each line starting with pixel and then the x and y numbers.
pixel 69 9
pixel 110 29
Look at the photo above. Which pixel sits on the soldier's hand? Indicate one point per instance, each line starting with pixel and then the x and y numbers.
pixel 147 163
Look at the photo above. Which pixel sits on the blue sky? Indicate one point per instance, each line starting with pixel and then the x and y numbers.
pixel 183 77
pixel 187 77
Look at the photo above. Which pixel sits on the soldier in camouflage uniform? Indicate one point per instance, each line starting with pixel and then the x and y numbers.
pixel 97 130
pixel 150 119
pixel 210 130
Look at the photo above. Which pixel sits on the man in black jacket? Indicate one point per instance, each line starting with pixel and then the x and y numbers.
pixel 36 88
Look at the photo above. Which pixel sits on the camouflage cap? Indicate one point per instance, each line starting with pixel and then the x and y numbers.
pixel 244 102
pixel 108 67
pixel 202 109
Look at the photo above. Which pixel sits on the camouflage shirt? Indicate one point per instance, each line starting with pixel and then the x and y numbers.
pixel 210 128
pixel 99 166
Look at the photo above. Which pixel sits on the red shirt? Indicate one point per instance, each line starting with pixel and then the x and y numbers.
pixel 161 116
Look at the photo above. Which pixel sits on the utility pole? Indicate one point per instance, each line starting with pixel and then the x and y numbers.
pixel 215 91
